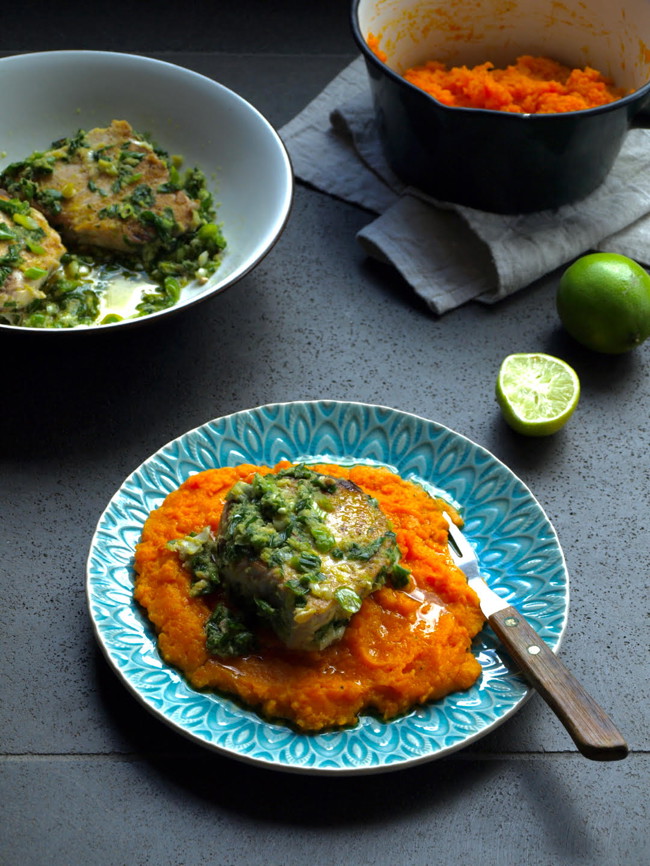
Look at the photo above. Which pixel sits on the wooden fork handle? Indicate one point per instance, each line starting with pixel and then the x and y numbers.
pixel 589 726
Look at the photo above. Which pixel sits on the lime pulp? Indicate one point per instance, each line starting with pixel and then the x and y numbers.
pixel 537 393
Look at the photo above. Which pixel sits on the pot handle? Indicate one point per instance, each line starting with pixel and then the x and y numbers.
pixel 641 118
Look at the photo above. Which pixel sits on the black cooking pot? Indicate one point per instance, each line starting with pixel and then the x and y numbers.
pixel 494 160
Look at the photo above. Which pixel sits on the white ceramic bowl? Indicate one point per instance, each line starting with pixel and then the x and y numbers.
pixel 50 95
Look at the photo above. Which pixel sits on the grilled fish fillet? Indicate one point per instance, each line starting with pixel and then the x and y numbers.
pixel 102 188
pixel 304 549
pixel 30 251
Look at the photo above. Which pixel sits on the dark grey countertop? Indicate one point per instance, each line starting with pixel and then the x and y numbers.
pixel 87 775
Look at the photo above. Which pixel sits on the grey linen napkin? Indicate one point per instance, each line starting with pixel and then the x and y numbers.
pixel 452 254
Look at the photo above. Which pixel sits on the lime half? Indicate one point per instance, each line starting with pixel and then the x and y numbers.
pixel 537 393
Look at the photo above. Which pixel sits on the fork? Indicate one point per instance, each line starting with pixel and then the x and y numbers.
pixel 589 726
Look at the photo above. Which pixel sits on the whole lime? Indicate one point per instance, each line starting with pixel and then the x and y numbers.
pixel 603 301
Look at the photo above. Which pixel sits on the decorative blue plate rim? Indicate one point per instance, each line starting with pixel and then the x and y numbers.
pixel 518 549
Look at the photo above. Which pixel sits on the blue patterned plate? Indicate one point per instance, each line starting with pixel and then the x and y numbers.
pixel 517 546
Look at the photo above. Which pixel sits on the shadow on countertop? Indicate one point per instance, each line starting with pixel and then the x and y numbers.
pixel 315 802
pixel 72 396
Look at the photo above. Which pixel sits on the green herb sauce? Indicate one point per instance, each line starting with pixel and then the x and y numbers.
pixel 283 526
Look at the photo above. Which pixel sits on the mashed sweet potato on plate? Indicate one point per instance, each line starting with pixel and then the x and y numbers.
pixel 402 648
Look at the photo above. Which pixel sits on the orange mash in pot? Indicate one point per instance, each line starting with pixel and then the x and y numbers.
pixel 531 85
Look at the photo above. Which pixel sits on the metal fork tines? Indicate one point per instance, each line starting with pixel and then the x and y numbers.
pixel 465 558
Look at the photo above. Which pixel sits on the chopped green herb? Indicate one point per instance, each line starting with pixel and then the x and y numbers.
pixel 348 599
pixel 25 220
pixel 227 634
pixel 399 576
pixel 34 273
pixel 265 610
pixel 75 143
pixel 198 554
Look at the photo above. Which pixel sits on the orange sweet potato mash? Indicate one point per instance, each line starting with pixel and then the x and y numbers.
pixel 532 85
pixel 403 647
